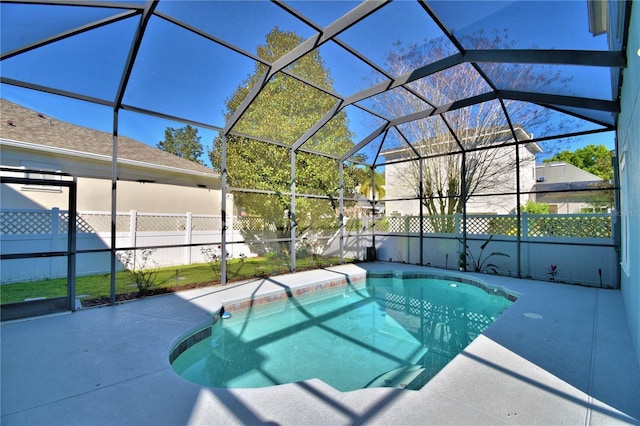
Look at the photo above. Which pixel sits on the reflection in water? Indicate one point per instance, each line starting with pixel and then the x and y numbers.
pixel 388 333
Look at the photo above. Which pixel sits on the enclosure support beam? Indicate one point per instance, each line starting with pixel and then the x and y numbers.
pixel 341 214
pixel 518 210
pixel 421 207
pixel 314 129
pixel 373 204
pixel 518 215
pixel 70 33
pixel 463 194
pixel 365 141
pixel 114 197
pixel 292 212
pixel 71 245
pixel 147 13
pixel 592 58
pixel 561 100
pixel 223 208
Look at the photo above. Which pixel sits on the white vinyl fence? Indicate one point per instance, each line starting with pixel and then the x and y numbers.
pixel 581 246
pixel 41 231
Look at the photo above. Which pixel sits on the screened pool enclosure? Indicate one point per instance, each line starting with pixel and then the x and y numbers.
pixel 311 133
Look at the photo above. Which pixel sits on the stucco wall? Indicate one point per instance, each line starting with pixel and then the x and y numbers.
pixel 149 197
pixel 401 181
pixel 95 195
pixel 629 153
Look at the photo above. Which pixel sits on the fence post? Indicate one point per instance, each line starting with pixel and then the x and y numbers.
pixel 133 221
pixel 230 230
pixel 524 225
pixel 55 224
pixel 188 228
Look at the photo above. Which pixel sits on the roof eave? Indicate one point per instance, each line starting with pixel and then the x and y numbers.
pixel 212 178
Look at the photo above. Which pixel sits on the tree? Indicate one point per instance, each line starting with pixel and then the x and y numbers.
pixel 372 188
pixel 183 142
pixel 283 111
pixel 471 129
pixel 595 159
pixel 535 208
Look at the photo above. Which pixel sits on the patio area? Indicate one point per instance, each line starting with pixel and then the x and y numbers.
pixel 573 362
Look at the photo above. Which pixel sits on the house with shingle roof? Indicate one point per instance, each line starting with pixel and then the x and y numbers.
pixel 149 179
pixel 568 189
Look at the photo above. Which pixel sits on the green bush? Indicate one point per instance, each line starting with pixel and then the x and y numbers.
pixel 137 263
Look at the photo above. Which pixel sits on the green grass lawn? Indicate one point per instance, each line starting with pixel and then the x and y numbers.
pixel 173 278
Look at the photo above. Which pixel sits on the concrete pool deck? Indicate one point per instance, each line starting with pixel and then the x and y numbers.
pixel 561 354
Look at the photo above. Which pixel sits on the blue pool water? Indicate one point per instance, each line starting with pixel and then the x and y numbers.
pixel 385 332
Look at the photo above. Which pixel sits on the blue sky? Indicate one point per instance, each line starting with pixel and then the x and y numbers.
pixel 208 73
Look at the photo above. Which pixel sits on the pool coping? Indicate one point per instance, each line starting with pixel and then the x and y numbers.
pixel 278 294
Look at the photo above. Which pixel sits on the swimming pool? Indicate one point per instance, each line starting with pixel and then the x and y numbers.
pixel 390 330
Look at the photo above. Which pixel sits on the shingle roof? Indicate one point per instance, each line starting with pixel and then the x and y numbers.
pixel 561 172
pixel 25 125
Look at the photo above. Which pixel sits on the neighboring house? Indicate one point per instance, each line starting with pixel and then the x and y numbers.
pixel 577 186
pixel 149 179
pixel 401 180
pixel 162 199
